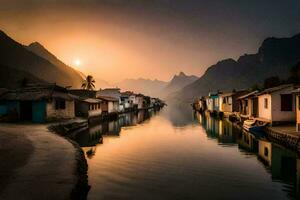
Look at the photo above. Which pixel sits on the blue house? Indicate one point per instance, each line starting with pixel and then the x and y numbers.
pixel 212 102
pixel 37 103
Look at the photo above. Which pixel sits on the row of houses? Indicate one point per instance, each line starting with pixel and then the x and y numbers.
pixel 49 102
pixel 277 105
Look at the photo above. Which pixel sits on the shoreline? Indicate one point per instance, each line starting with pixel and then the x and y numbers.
pixel 50 170
pixel 82 187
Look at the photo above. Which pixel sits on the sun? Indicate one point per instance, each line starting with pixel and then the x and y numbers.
pixel 77 62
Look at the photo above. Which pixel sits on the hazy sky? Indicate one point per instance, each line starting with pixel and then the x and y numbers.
pixel 117 39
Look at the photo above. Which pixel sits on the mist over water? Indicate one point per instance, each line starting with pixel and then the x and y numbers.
pixel 177 154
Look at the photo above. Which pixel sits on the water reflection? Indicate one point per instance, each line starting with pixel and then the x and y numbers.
pixel 222 130
pixel 179 154
pixel 281 163
pixel 94 134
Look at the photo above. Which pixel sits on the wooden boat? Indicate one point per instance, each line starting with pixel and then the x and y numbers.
pixel 254 123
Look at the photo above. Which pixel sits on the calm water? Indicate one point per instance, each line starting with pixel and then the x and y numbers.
pixel 174 154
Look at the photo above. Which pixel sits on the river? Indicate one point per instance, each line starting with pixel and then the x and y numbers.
pixel 177 154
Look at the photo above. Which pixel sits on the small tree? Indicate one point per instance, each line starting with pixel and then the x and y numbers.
pixel 88 83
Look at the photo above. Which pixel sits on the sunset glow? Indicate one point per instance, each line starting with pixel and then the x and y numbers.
pixel 77 62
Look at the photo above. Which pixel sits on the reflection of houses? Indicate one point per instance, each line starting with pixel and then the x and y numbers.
pixel 282 162
pixel 248 105
pixel 226 132
pixel 277 104
pixel 248 142
pixel 90 137
pixel 265 151
pixel 38 103
pixel 212 127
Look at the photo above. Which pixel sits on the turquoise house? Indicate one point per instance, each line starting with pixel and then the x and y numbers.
pixel 212 102
pixel 37 103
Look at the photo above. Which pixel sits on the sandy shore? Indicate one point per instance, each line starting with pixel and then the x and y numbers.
pixel 36 164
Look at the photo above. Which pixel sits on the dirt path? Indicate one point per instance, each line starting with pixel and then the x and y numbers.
pixel 35 164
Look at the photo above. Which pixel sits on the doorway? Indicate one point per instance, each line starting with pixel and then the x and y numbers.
pixel 26 110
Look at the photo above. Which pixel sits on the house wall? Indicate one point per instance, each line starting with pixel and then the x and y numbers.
pixel 94 113
pixel 113 106
pixel 225 107
pixel 68 112
pixel 116 106
pixel 210 105
pixel 265 113
pixel 104 106
pixel 297 113
pixel 277 114
pixel 139 101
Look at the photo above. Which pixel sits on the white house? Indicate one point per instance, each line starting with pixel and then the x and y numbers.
pixel 112 93
pixel 139 100
pixel 277 104
pixel 109 104
pixel 88 107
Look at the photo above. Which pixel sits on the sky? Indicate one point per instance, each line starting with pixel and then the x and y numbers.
pixel 155 39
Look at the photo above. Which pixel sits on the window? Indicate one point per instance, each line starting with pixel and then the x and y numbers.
pixel 266 103
pixel 229 100
pixel 286 102
pixel 266 151
pixel 60 104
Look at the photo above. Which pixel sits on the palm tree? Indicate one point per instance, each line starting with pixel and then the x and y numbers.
pixel 88 83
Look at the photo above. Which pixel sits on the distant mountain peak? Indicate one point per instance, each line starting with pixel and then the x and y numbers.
pixel 181 74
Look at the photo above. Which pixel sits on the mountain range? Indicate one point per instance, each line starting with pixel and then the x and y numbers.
pixel 156 87
pixel 34 63
pixel 275 57
pixel 178 82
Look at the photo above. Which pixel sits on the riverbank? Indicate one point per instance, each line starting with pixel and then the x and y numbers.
pixel 37 164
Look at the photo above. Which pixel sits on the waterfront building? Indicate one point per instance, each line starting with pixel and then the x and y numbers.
pixel 296 92
pixel 228 102
pixel 140 101
pixel 113 93
pixel 277 104
pixel 89 107
pixel 126 101
pixel 212 102
pixel 109 104
pixel 38 103
pixel 86 104
pixel 248 105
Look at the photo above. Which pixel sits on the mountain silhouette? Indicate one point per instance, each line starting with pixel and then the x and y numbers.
pixel 178 82
pixel 275 57
pixel 34 60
